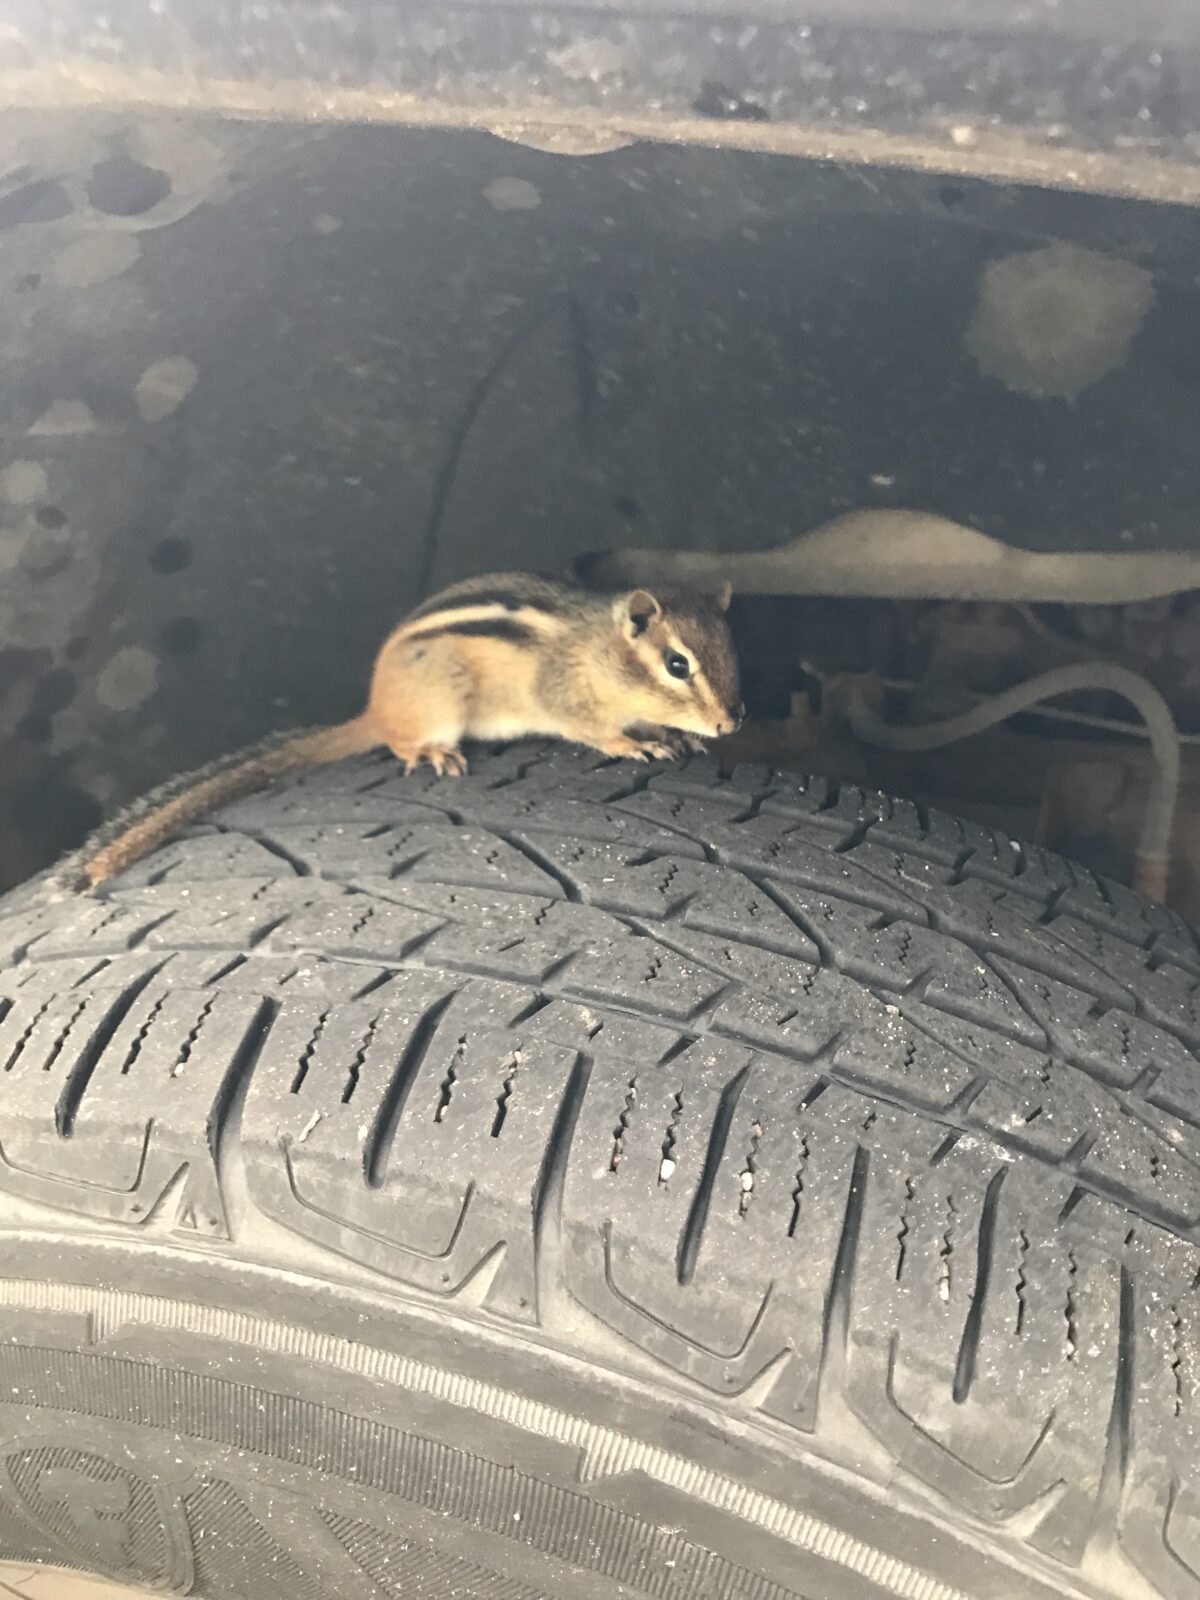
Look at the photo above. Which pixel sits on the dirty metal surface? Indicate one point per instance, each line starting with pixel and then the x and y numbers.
pixel 262 385
pixel 1084 95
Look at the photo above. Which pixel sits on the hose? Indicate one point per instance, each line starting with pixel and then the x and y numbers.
pixel 1154 845
pixel 1080 649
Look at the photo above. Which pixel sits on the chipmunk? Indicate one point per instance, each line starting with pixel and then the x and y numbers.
pixel 497 657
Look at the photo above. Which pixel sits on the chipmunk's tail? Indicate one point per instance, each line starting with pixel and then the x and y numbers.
pixel 161 814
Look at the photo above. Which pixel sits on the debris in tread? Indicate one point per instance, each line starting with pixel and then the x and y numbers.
pixel 189 1044
pixel 946 1250
pixel 666 1166
pixel 749 1169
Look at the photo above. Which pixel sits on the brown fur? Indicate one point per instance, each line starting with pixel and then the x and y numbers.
pixel 499 657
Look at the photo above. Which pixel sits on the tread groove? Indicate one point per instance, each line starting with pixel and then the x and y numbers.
pixel 378 1144
pixel 551 1178
pixel 692 1233
pixel 566 883
pixel 300 867
pixel 837 1319
pixel 968 1350
pixel 241 1069
pixel 1118 1439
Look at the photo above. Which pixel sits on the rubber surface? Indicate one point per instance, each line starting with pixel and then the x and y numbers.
pixel 600 1180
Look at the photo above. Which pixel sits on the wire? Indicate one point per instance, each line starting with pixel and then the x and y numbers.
pixel 1084 719
pixel 1154 845
pixel 1080 649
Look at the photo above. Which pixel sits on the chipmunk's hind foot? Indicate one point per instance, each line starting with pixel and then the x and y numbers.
pixel 446 759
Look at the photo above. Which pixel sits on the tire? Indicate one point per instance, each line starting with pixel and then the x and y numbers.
pixel 580 1180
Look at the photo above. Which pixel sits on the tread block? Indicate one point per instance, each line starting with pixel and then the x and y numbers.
pixel 700 1215
pixel 89 1066
pixel 701 777
pixel 1113 1046
pixel 758 971
pixel 296 805
pixel 1161 1530
pixel 565 818
pixel 100 928
pixel 739 911
pixel 296 977
pixel 991 921
pixel 436 851
pixel 865 943
pixel 206 856
pixel 780 849
pixel 619 877
pixel 901 955
pixel 958 1279
pixel 1128 1159
pixel 256 973
pixel 1046 1108
pixel 578 1025
pixel 792 1024
pixel 1023 869
pixel 1118 911
pixel 904 826
pixel 223 915
pixel 70 972
pixel 357 927
pixel 643 975
pixel 529 946
pixel 441 1116
pixel 1178 946
pixel 895 1058
pixel 21 930
pixel 851 815
pixel 688 814
pixel 965 985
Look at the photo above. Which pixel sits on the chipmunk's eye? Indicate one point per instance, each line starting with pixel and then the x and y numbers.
pixel 676 664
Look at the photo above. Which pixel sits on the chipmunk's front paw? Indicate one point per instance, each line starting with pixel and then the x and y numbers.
pixel 637 749
pixel 673 741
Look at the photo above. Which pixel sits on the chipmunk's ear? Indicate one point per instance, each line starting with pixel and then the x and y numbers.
pixel 638 610
pixel 724 595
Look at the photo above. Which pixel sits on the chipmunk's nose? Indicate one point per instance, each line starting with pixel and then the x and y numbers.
pixel 734 717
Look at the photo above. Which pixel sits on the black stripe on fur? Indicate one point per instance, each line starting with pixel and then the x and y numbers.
pixel 480 628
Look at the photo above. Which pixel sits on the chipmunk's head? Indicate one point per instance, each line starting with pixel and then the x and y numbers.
pixel 678 661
